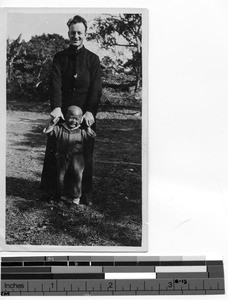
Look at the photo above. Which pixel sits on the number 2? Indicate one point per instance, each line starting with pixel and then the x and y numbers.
pixel 110 285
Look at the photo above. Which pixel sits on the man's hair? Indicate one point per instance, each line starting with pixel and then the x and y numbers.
pixel 77 19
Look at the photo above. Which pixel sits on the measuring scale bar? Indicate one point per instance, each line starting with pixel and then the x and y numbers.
pixel 114 287
pixel 110 276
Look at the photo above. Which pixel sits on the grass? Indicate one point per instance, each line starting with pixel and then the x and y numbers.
pixel 115 219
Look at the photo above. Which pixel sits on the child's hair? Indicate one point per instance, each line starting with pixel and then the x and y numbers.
pixel 74 109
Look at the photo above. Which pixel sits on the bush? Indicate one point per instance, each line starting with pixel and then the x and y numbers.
pixel 29 66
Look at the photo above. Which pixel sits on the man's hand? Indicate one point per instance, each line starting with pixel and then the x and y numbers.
pixel 56 114
pixel 89 118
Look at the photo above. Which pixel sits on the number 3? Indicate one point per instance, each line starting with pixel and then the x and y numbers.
pixel 170 284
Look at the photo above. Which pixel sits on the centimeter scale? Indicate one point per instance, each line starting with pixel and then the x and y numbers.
pixel 111 275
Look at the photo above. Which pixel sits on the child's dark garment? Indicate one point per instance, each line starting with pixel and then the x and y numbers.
pixel 70 159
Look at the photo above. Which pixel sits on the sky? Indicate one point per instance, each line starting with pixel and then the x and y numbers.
pixel 30 24
pixel 36 22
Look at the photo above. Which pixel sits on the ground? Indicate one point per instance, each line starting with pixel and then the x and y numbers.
pixel 115 218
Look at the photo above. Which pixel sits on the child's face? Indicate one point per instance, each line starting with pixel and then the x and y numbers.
pixel 73 120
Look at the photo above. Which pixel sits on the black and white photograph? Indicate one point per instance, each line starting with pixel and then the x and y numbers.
pixel 148 176
pixel 76 144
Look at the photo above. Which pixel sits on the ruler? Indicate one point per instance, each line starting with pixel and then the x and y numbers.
pixel 111 275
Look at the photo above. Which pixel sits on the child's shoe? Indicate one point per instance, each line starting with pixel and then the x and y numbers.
pixel 76 201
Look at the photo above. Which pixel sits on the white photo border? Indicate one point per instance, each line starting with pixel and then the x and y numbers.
pixel 144 141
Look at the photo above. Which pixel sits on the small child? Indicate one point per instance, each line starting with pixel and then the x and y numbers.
pixel 69 137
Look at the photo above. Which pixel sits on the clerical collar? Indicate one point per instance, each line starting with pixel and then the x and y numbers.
pixel 77 51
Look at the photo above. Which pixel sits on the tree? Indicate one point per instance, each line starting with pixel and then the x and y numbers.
pixel 29 65
pixel 123 30
pixel 41 50
pixel 13 53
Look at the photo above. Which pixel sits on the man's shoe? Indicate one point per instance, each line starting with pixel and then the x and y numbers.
pixel 85 200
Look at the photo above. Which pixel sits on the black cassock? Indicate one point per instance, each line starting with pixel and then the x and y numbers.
pixel 75 80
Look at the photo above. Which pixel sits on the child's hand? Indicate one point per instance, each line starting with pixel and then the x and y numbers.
pixel 54 121
pixel 50 126
pixel 91 133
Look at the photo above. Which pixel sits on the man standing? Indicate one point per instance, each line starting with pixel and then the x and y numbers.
pixel 75 80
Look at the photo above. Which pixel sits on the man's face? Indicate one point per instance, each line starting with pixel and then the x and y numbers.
pixel 77 34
